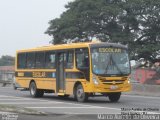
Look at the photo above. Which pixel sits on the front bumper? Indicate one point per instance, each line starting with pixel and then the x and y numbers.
pixel 112 88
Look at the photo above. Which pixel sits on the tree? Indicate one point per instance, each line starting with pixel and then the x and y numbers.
pixel 132 22
pixel 7 60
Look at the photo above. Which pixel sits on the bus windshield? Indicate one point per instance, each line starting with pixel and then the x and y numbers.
pixel 110 61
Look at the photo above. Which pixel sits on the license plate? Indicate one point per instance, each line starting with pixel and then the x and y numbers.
pixel 113 87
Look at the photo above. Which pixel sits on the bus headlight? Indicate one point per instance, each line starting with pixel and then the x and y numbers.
pixel 95 81
pixel 129 80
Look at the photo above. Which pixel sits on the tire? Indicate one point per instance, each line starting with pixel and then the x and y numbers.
pixel 114 97
pixel 14 87
pixel 34 92
pixel 80 95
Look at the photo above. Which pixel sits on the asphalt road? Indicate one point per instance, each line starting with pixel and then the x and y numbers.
pixel 69 109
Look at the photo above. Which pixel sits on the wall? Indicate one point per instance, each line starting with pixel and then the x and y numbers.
pixel 146 76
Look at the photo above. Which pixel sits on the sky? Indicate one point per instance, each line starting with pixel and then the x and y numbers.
pixel 23 23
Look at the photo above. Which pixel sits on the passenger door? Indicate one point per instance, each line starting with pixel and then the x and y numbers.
pixel 60 72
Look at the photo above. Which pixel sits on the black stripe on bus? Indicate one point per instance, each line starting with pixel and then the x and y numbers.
pixel 36 75
pixel 75 75
pixel 72 75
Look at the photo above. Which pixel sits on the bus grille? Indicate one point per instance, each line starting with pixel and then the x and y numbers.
pixel 111 82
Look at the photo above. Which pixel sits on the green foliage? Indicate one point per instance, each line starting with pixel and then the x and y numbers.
pixel 7 60
pixel 132 22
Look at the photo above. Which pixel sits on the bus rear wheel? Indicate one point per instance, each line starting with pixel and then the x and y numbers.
pixel 81 96
pixel 34 92
pixel 114 97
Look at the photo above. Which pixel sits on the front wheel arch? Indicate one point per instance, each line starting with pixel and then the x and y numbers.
pixel 79 93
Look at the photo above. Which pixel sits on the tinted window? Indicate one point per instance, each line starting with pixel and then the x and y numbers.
pixel 69 59
pixel 50 60
pixel 40 58
pixel 30 60
pixel 21 60
pixel 82 58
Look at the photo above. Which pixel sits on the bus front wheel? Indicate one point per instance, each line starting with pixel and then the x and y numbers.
pixel 114 97
pixel 81 96
pixel 34 92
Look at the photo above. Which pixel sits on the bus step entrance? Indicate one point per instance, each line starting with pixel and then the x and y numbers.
pixel 61 94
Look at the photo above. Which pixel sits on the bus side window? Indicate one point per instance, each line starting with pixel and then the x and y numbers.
pixel 50 60
pixel 82 58
pixel 30 60
pixel 69 59
pixel 40 59
pixel 21 62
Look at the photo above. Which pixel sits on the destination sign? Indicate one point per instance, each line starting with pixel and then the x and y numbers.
pixel 110 50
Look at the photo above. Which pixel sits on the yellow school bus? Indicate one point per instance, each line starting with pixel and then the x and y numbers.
pixel 79 69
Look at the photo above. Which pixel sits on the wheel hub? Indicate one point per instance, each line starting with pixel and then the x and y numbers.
pixel 80 93
pixel 33 90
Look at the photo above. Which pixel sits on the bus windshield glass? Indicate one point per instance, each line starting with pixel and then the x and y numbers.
pixel 110 61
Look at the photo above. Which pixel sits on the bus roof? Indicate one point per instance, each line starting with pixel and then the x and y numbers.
pixel 72 45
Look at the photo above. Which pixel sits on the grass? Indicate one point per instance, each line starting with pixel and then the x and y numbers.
pixel 15 109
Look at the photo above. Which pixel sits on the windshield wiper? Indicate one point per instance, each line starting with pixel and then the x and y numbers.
pixel 106 69
pixel 114 63
pixel 117 66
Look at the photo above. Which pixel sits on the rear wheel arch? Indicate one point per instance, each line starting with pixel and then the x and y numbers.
pixel 34 92
pixel 31 82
